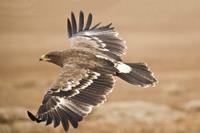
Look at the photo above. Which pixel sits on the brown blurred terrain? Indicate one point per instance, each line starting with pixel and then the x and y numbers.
pixel 166 34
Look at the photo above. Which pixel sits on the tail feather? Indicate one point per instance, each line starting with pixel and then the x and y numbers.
pixel 139 74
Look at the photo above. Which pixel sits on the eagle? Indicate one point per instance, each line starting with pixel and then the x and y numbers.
pixel 88 68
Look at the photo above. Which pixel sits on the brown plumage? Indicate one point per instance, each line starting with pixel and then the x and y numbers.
pixel 87 73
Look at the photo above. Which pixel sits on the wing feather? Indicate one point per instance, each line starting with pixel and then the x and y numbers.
pixel 74 26
pixel 64 118
pixel 86 89
pixel 50 118
pixel 56 118
pixel 69 27
pixel 98 38
pixel 81 21
pixel 94 27
pixel 89 22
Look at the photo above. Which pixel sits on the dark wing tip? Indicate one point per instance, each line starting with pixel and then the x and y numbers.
pixel 94 27
pixel 73 23
pixel 69 28
pixel 81 21
pixel 108 26
pixel 33 117
pixel 81 12
pixel 89 22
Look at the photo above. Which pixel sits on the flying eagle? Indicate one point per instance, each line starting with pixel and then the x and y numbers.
pixel 87 73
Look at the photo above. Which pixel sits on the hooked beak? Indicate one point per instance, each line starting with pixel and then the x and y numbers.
pixel 43 58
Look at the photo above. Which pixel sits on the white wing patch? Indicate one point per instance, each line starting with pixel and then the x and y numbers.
pixel 123 68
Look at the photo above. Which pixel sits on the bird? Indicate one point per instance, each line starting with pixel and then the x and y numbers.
pixel 87 73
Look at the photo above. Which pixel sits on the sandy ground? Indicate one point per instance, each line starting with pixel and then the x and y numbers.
pixel 163 33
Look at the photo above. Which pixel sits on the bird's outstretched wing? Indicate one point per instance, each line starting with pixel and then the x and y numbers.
pixel 72 96
pixel 100 38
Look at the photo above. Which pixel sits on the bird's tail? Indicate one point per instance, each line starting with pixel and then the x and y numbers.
pixel 136 74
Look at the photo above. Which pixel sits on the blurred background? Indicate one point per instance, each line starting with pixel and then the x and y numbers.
pixel 166 34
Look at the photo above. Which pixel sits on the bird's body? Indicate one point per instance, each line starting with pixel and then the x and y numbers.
pixel 88 58
pixel 87 73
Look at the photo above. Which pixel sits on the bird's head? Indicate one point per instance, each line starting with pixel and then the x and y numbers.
pixel 55 57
